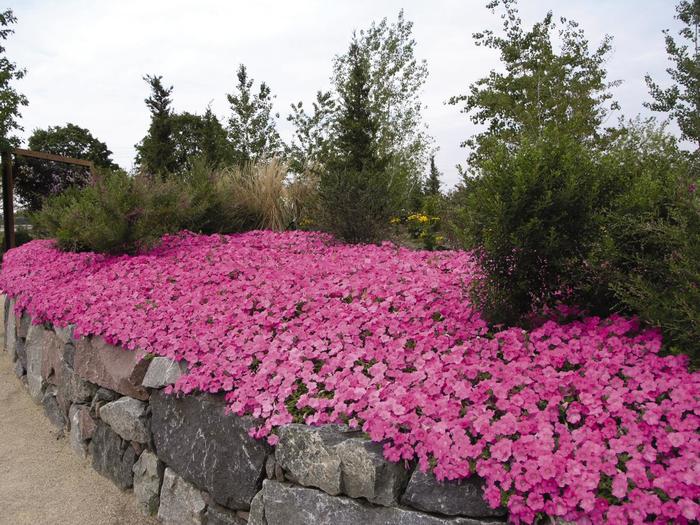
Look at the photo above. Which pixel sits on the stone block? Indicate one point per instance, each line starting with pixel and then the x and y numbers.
pixel 163 372
pixel 464 497
pixel 34 345
pixel 111 367
pixel 209 447
pixel 309 457
pixel 112 456
pixel 285 504
pixel 127 417
pixel 180 502
pixel 148 475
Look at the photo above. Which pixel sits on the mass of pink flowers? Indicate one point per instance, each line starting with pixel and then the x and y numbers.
pixel 580 420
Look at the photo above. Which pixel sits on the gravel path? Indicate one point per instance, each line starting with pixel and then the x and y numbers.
pixel 41 480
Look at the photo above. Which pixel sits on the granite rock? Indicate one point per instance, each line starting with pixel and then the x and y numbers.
pixel 112 456
pixel 209 447
pixel 180 502
pixel 127 417
pixel 111 367
pixel 163 372
pixel 148 476
pixel 285 504
pixel 464 497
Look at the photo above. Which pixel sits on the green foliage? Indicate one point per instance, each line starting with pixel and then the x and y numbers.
pixel 531 202
pixel 37 179
pixel 252 127
pixel 122 214
pixel 156 152
pixel 395 81
pixel 10 99
pixel 199 137
pixel 310 146
pixel 22 235
pixel 432 183
pixel 355 188
pixel 682 99
pixel 646 260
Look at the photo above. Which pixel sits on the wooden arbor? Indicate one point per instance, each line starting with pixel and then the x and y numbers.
pixel 8 209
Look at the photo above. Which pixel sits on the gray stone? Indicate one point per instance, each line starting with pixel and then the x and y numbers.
pixel 180 502
pixel 10 330
pixel 112 456
pixel 111 366
pixel 19 369
pixel 209 447
pixel 65 333
pixel 270 467
pixel 286 504
pixel 78 443
pixel 21 353
pixel 23 325
pixel 309 456
pixel 218 515
pixel 51 408
pixel 36 383
pixel 257 510
pixel 127 417
pixel 101 398
pixel 464 497
pixel 367 474
pixel 69 354
pixel 163 372
pixel 73 389
pixel 52 358
pixel 148 475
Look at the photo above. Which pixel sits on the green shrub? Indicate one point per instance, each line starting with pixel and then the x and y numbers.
pixel 531 214
pixel 646 260
pixel 123 214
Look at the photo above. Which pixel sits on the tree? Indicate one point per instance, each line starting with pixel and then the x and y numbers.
pixel 37 179
pixel 156 151
pixel 564 89
pixel 10 99
pixel 395 79
pixel 309 148
pixel 682 99
pixel 432 184
pixel 252 127
pixel 355 186
pixel 535 189
pixel 198 137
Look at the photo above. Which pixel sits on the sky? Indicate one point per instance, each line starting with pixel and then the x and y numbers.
pixel 85 59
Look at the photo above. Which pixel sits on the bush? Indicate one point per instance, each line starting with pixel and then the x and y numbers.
pixel 123 214
pixel 531 214
pixel 647 258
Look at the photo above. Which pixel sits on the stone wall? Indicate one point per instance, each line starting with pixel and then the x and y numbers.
pixel 188 461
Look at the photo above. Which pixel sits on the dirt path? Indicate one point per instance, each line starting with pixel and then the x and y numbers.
pixel 42 482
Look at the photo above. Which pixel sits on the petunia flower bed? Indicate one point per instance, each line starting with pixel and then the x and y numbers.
pixel 582 420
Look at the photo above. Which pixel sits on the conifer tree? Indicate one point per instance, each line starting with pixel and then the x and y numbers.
pixel 156 151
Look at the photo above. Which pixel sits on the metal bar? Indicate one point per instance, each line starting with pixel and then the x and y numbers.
pixel 50 156
pixel 8 212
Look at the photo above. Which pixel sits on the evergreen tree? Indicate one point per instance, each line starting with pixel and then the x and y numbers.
pixel 682 99
pixel 355 187
pixel 10 99
pixel 156 152
pixel 395 80
pixel 252 128
pixel 37 179
pixel 432 184
pixel 199 137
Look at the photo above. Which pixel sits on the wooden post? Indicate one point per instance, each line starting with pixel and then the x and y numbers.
pixel 8 211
